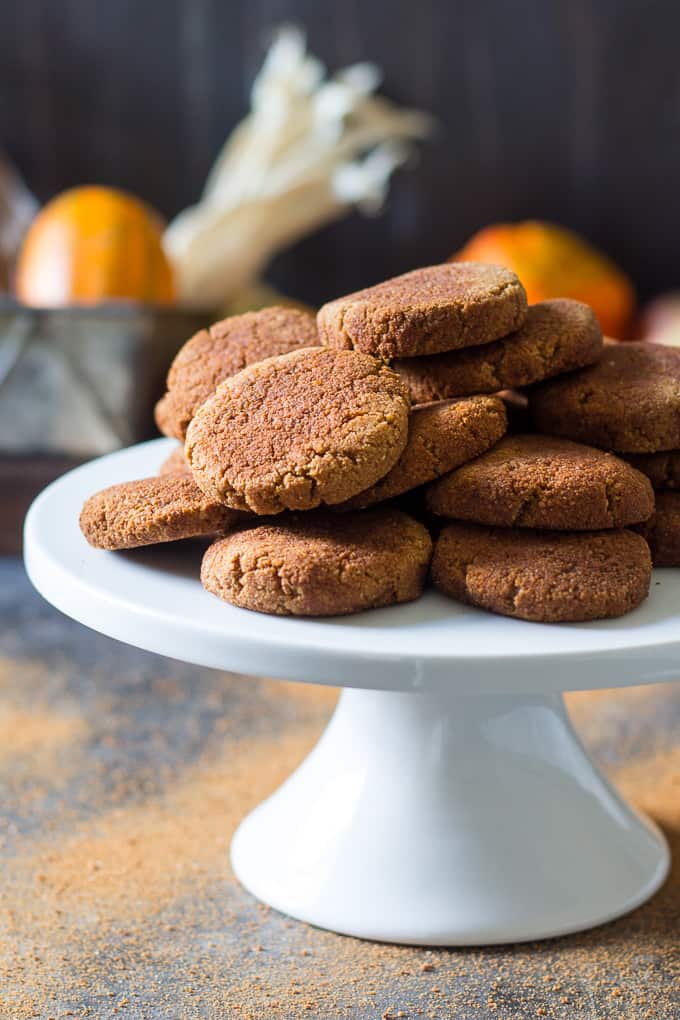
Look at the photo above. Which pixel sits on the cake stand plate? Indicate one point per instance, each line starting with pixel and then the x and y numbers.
pixel 449 801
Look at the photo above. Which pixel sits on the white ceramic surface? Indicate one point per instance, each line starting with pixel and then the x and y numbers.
pixel 459 820
pixel 449 801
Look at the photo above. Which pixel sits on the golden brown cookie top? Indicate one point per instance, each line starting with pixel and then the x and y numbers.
pixel 321 564
pixel 292 432
pixel 543 576
pixel 438 308
pixel 629 401
pixel 556 336
pixel 214 354
pixel 152 510
pixel 533 481
pixel 440 437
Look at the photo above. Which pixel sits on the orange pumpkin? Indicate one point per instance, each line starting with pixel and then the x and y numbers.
pixel 552 261
pixel 94 244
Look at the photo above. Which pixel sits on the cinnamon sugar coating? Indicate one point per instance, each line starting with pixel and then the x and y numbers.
pixel 290 433
pixel 321 564
pixel 543 576
pixel 437 308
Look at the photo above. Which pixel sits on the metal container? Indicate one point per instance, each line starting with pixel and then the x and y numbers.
pixel 83 381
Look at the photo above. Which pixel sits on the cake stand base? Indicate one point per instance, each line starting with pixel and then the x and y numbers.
pixel 432 819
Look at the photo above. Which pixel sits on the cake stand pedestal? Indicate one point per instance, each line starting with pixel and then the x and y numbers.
pixel 449 801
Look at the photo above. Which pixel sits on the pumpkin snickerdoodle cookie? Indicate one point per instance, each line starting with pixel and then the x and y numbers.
pixel 438 308
pixel 440 437
pixel 214 354
pixel 628 402
pixel 321 564
pixel 152 510
pixel 533 481
pixel 556 337
pixel 543 576
pixel 292 432
pixel 662 530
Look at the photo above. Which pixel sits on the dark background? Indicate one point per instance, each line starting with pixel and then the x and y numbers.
pixel 563 109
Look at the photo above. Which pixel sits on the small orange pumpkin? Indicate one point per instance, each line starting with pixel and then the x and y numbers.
pixel 551 262
pixel 94 244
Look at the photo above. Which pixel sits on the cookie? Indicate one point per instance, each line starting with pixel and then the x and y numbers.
pixel 662 469
pixel 543 576
pixel 439 308
pixel 321 564
pixel 440 437
pixel 662 530
pixel 290 433
pixel 529 481
pixel 152 510
pixel 175 464
pixel 214 354
pixel 556 336
pixel 629 401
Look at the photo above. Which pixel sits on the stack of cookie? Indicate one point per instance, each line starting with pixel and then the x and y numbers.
pixel 300 433
pixel 548 539
pixel 630 403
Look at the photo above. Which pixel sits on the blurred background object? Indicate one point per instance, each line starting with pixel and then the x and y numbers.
pixel 91 245
pixel 564 111
pixel 311 148
pixel 553 262
pixel 17 209
pixel 660 320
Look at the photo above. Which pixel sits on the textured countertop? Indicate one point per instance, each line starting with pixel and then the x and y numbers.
pixel 122 777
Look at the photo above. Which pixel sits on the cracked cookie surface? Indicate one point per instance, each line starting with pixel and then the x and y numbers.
pixel 543 576
pixel 152 510
pixel 533 481
pixel 440 437
pixel 292 432
pixel 437 308
pixel 321 564
pixel 227 347
pixel 662 530
pixel 628 402
pixel 556 336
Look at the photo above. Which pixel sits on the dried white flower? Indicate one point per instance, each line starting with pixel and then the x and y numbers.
pixel 311 148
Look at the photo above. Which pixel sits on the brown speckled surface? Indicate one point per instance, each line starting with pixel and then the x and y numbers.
pixel 122 776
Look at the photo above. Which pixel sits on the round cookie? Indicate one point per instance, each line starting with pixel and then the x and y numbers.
pixel 229 346
pixel 662 469
pixel 662 530
pixel 543 576
pixel 440 437
pixel 175 464
pixel 438 308
pixel 556 336
pixel 629 401
pixel 290 433
pixel 529 481
pixel 321 564
pixel 152 510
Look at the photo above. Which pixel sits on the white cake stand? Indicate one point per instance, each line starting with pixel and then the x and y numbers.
pixel 449 801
